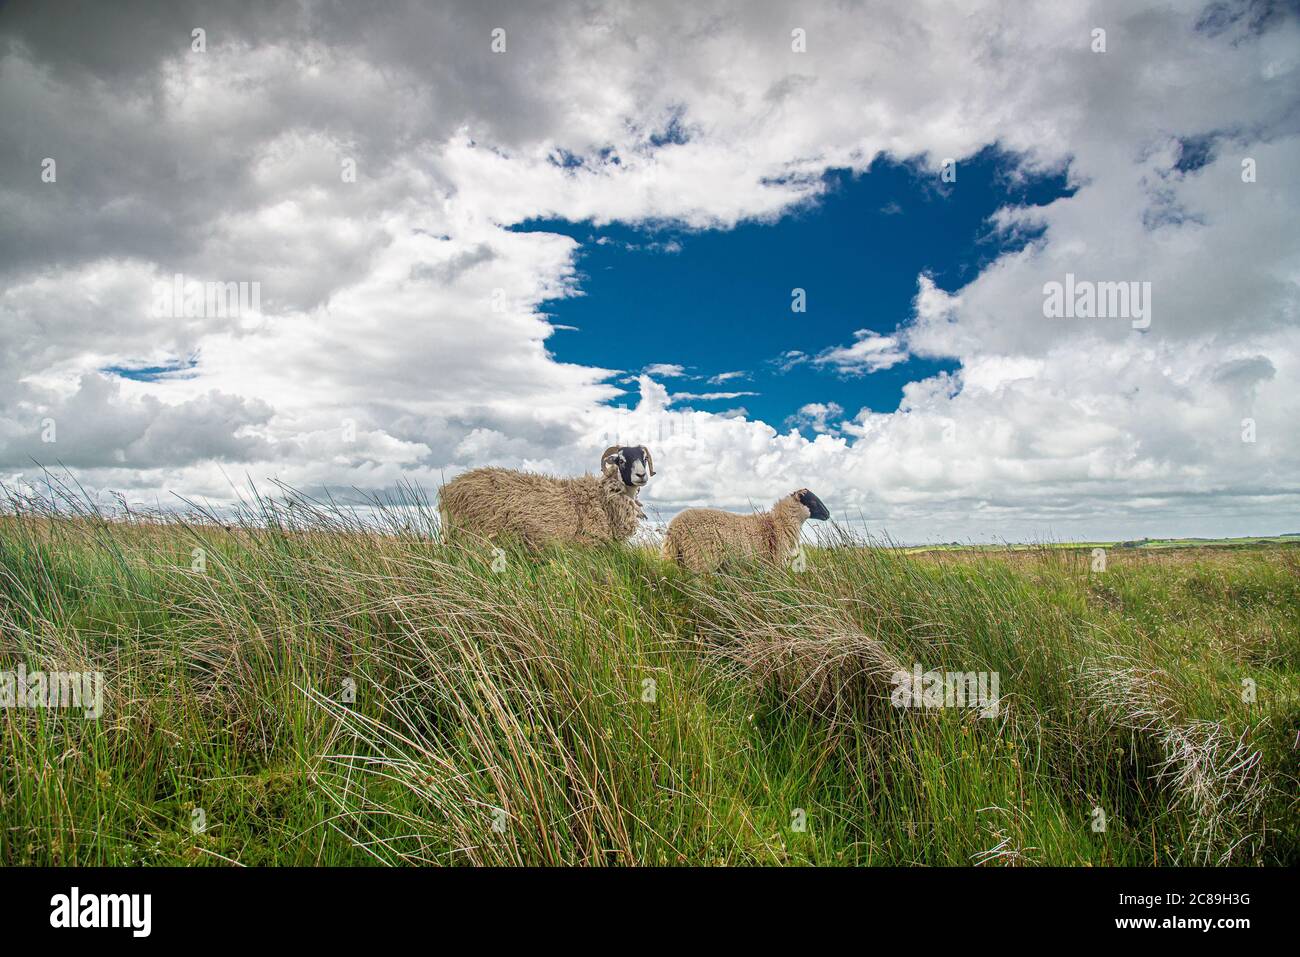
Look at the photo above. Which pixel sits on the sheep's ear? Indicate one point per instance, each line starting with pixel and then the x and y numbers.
pixel 649 462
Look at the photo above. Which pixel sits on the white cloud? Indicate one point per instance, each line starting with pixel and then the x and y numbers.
pixel 869 352
pixel 665 370
pixel 707 396
pixel 817 416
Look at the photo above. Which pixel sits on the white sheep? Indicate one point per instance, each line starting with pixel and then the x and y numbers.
pixel 700 538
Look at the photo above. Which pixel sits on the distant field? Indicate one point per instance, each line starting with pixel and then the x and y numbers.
pixel 1143 543
pixel 293 689
pixel 1211 542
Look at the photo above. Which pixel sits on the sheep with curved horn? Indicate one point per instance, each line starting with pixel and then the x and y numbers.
pixel 540 509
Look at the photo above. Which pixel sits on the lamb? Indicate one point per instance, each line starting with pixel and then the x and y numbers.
pixel 540 509
pixel 700 538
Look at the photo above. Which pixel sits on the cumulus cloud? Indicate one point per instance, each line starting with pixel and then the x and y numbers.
pixel 365 175
pixel 817 416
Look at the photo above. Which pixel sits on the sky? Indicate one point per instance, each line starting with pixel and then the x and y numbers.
pixel 783 245
pixel 729 301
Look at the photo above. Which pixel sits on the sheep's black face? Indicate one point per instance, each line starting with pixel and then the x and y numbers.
pixel 634 464
pixel 814 505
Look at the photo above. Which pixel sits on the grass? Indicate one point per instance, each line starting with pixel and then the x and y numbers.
pixel 292 686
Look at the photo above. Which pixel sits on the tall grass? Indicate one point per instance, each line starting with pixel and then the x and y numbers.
pixel 306 682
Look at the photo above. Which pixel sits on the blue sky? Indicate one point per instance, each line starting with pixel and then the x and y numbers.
pixel 721 300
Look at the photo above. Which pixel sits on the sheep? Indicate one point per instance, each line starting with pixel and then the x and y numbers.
pixel 540 509
pixel 700 538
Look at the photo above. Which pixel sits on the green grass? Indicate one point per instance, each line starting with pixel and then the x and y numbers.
pixel 508 717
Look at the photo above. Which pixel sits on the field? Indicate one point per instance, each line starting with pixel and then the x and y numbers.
pixel 294 687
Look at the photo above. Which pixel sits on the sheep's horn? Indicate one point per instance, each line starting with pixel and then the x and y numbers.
pixel 649 462
pixel 606 454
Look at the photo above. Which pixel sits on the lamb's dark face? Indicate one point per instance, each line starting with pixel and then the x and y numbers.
pixel 634 464
pixel 813 504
